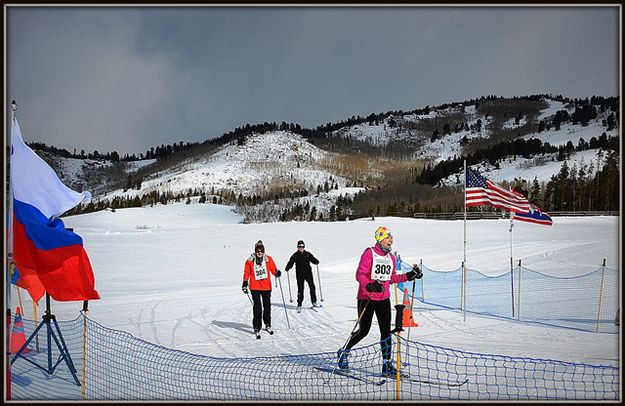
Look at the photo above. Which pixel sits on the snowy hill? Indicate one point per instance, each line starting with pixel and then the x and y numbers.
pixel 544 166
pixel 405 128
pixel 541 168
pixel 282 170
pixel 266 165
pixel 449 145
pixel 95 175
pixel 265 162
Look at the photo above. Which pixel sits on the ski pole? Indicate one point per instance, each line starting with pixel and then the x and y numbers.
pixel 357 322
pixel 289 283
pixel 285 312
pixel 248 296
pixel 414 283
pixel 398 369
pixel 319 278
pixel 353 330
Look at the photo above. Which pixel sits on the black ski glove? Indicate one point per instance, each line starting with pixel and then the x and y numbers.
pixel 278 273
pixel 244 287
pixel 415 273
pixel 375 287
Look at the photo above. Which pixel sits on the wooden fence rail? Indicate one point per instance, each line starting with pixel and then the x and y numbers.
pixel 498 215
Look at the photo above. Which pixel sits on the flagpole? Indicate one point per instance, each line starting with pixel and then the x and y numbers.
pixel 464 256
pixel 511 266
pixel 9 263
pixel 10 213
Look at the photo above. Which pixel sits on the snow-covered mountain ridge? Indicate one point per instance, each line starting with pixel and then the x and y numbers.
pixel 283 168
pixel 263 163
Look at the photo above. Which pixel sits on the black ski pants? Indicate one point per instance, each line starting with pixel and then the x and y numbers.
pixel 382 310
pixel 261 309
pixel 308 277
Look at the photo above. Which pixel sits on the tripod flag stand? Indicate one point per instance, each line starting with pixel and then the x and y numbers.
pixel 64 355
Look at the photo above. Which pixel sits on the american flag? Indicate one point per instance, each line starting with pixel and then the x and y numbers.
pixel 534 215
pixel 481 191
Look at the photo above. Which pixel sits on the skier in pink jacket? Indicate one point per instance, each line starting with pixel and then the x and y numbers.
pixel 375 274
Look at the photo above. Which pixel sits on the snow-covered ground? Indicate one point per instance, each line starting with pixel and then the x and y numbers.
pixel 171 275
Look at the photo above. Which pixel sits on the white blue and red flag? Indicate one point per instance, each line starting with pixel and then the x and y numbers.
pixel 49 257
pixel 534 215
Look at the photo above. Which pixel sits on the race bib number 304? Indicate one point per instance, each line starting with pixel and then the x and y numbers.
pixel 260 271
pixel 381 267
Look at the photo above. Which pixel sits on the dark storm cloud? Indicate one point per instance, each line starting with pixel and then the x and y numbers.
pixel 129 78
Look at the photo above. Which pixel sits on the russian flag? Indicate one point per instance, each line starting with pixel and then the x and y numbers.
pixel 49 257
pixel 534 215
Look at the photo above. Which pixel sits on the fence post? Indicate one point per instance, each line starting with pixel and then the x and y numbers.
pixel 518 306
pixel 512 284
pixel 422 283
pixel 85 310
pixel 600 296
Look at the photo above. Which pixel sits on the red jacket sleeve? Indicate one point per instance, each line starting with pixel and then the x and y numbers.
pixel 247 271
pixel 271 266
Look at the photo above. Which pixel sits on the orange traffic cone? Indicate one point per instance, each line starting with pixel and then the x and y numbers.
pixel 18 337
pixel 408 320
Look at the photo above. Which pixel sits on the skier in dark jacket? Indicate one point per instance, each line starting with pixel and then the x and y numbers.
pixel 302 259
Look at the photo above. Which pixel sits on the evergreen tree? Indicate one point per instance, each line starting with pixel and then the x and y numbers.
pixel 313 214
pixel 534 194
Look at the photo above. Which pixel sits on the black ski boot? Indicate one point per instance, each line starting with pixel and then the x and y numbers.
pixel 257 332
pixel 388 370
pixel 269 330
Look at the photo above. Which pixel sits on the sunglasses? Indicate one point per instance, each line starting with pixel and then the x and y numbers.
pixel 261 251
pixel 300 246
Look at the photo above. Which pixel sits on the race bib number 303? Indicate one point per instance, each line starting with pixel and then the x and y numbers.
pixel 381 267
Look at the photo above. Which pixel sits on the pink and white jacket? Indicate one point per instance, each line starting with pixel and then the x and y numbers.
pixel 363 275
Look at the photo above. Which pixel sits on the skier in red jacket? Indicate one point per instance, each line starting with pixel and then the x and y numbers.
pixel 256 276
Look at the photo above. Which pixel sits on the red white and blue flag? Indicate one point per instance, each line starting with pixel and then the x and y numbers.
pixel 481 191
pixel 534 215
pixel 49 257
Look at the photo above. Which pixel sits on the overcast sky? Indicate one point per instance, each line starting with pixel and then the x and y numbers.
pixel 129 78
